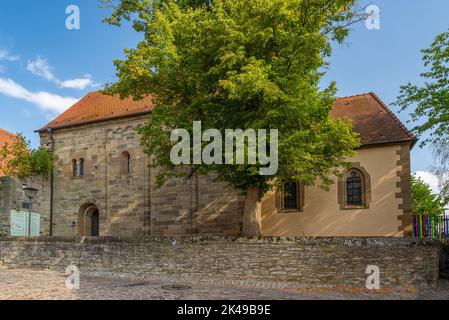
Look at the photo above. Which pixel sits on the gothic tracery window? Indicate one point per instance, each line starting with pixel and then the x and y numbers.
pixel 354 188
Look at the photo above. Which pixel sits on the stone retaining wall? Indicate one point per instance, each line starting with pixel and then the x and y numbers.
pixel 303 262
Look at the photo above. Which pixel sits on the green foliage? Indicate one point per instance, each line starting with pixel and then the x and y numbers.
pixel 17 159
pixel 432 98
pixel 430 102
pixel 423 201
pixel 41 161
pixel 239 64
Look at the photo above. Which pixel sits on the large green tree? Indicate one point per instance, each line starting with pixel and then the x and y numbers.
pixel 239 64
pixel 430 103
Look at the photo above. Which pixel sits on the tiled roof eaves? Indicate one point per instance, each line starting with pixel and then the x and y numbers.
pixel 386 143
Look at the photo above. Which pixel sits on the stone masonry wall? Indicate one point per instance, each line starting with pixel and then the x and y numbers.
pixel 301 262
pixel 12 197
pixel 128 203
pixel 120 203
pixel 196 206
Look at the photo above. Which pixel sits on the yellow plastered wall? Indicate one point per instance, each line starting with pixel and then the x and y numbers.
pixel 322 215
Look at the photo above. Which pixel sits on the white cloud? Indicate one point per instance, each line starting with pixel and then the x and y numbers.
pixel 46 101
pixel 6 56
pixel 79 83
pixel 430 179
pixel 40 67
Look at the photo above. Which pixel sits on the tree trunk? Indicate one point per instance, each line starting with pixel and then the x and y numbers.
pixel 252 216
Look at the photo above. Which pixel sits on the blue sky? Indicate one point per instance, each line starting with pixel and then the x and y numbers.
pixel 41 61
pixel 44 67
pixel 383 60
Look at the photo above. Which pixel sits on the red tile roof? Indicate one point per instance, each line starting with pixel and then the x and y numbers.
pixel 98 107
pixel 5 137
pixel 369 115
pixel 372 119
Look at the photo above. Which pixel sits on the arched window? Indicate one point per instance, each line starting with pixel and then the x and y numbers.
pixel 81 169
pixel 126 163
pixel 95 224
pixel 354 188
pixel 74 168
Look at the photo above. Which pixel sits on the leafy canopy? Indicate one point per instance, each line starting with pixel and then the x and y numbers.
pixel 239 64
pixel 432 98
pixel 17 159
pixel 430 103
pixel 424 201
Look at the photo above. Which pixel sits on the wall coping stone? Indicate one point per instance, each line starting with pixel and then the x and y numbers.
pixel 341 241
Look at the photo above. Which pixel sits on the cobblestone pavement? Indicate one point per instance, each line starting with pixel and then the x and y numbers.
pixel 19 284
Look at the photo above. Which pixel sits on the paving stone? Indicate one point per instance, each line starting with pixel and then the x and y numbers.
pixel 39 284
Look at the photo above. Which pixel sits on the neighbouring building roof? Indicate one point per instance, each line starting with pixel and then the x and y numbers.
pixel 5 137
pixel 370 117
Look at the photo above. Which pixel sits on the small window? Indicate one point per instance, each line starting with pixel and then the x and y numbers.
pixel 291 197
pixel 81 169
pixel 126 163
pixel 74 168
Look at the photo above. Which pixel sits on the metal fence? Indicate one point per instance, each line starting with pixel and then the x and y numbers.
pixel 431 226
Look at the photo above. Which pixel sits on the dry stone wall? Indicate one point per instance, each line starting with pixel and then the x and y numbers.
pixel 302 262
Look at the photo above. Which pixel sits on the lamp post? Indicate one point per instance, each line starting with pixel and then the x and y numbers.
pixel 30 193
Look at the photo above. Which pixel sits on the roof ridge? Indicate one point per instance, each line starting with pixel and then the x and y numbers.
pixel 354 96
pixel 392 115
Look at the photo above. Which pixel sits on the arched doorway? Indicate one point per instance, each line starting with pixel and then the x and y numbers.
pixel 95 224
pixel 89 221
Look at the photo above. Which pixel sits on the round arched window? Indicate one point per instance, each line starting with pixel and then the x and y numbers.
pixel 81 169
pixel 126 162
pixel 74 168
